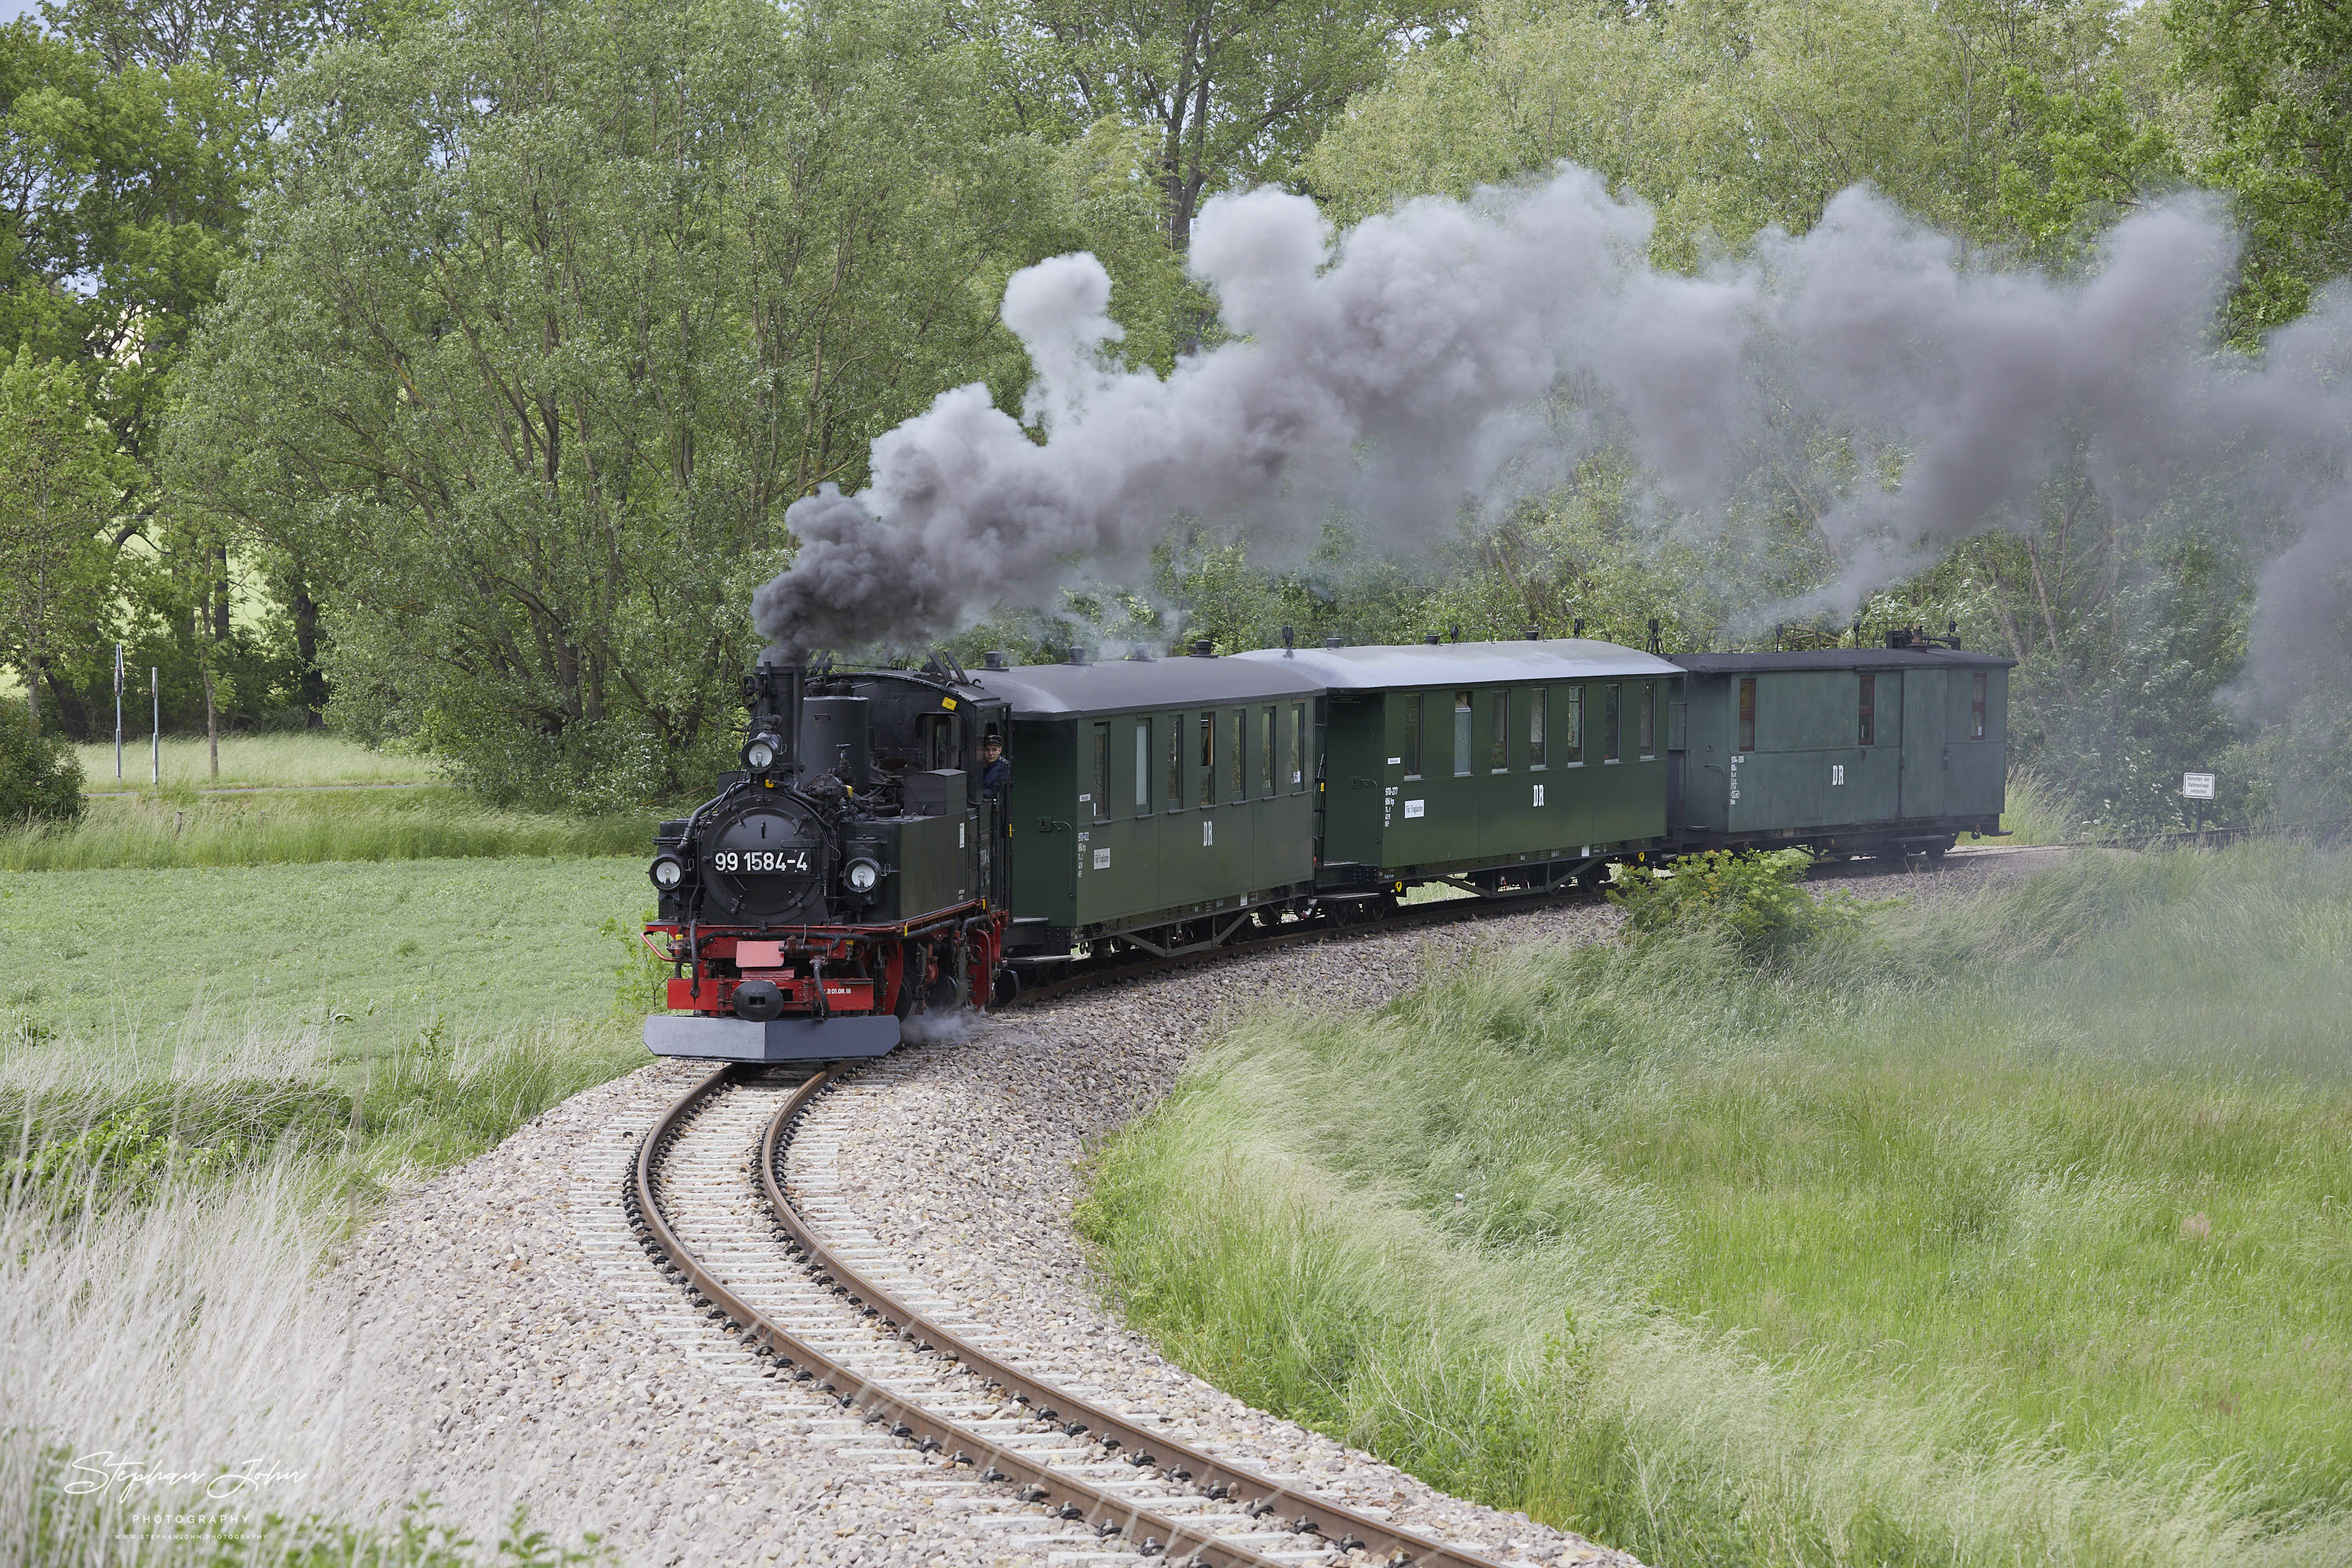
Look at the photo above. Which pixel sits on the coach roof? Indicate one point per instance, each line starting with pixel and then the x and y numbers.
pixel 1840 658
pixel 1139 685
pixel 1381 667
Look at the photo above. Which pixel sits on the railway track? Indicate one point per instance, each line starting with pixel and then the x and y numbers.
pixel 764 1251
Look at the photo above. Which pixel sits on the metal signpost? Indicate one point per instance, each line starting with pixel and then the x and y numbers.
pixel 118 713
pixel 155 732
pixel 2197 787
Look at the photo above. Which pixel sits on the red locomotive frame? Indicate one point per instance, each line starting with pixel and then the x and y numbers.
pixel 840 971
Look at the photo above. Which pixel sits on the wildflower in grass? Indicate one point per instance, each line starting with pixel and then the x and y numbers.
pixel 1757 899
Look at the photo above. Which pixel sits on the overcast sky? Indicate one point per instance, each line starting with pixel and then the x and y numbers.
pixel 12 9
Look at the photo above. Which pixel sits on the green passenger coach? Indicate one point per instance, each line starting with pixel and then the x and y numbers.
pixel 1158 800
pixel 1847 751
pixel 1494 763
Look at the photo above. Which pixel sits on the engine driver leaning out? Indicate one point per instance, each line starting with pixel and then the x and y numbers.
pixel 994 770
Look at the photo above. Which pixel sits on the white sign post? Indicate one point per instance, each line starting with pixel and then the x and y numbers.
pixel 2199 787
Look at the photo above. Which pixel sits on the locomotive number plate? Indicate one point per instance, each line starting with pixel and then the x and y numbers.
pixel 761 860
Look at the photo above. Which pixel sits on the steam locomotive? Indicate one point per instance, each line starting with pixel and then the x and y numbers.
pixel 857 873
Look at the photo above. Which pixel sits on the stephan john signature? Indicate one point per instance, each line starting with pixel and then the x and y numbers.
pixel 100 1472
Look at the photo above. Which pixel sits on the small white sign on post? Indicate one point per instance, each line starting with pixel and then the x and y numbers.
pixel 2197 787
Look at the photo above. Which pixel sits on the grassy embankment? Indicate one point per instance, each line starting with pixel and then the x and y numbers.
pixel 209 1075
pixel 2015 1230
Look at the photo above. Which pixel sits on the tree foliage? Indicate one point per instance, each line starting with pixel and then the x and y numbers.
pixel 40 776
pixel 2282 75
pixel 555 310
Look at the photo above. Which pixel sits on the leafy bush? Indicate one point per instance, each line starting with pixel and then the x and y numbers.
pixel 40 775
pixel 1757 899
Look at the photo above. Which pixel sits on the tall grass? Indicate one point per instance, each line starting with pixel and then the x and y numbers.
pixel 2017 1234
pixel 2036 811
pixel 272 761
pixel 157 1287
pixel 433 823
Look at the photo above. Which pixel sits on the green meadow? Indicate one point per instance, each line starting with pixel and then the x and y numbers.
pixel 2013 1229
pixel 373 951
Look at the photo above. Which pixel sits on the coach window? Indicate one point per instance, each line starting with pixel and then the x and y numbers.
pixel 1101 795
pixel 1143 767
pixel 1299 748
pixel 1236 776
pixel 1866 729
pixel 1498 734
pixel 1536 700
pixel 1413 704
pixel 1976 707
pixel 1612 702
pixel 1572 728
pixel 1747 713
pixel 1461 733
pixel 1208 759
pixel 1266 751
pixel 1175 752
pixel 1649 720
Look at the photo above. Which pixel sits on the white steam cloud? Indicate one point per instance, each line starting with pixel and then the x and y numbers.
pixel 1470 352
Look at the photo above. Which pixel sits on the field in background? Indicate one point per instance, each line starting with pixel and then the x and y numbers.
pixel 376 951
pixel 308 827
pixel 2018 1232
pixel 275 761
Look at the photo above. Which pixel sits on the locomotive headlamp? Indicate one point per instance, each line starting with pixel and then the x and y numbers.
pixel 668 871
pixel 760 752
pixel 861 876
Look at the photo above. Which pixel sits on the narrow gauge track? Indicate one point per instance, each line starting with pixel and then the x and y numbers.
pixel 695 1203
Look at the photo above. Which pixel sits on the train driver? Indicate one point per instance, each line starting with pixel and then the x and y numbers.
pixel 994 770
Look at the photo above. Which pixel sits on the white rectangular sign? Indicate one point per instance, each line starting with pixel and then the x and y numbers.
pixel 2197 787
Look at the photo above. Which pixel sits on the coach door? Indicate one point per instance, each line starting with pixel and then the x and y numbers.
pixel 1927 713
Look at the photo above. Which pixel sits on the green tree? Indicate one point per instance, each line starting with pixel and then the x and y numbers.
pixel 64 482
pixel 555 308
pixel 1725 115
pixel 2281 72
pixel 1233 92
pixel 40 776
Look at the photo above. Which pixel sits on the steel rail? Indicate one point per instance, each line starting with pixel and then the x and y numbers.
pixel 1065 1496
pixel 1343 1527
pixel 1086 975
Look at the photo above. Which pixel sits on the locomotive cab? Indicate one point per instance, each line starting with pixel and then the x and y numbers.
pixel 846 880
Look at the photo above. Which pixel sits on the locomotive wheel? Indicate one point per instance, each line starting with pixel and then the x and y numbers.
pixel 903 1004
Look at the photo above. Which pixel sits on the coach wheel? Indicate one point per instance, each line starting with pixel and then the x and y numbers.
pixel 1008 986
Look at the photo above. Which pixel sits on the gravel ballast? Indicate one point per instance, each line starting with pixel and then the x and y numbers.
pixel 515 1344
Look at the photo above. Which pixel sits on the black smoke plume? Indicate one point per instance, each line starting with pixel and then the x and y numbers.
pixel 1452 352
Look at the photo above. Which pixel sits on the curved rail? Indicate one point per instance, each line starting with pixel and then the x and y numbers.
pixel 1065 1496
pixel 1342 1528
